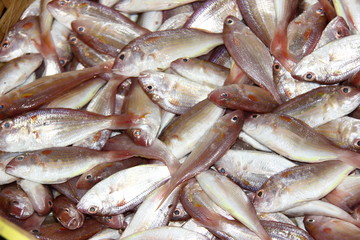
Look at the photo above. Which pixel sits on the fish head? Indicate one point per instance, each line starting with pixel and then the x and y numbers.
pixel 347 97
pixel 92 204
pixel 115 221
pixel 143 135
pixel 20 207
pixel 64 10
pixel 19 165
pixel 129 62
pixel 309 69
pixel 23 38
pixel 223 96
pixel 70 218
pixel 253 122
pixel 153 84
pixel 265 199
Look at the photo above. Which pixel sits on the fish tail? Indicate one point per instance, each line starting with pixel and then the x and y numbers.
pixel 166 191
pixel 123 121
pixel 350 157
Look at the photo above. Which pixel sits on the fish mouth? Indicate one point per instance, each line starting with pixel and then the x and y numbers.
pixel 9 168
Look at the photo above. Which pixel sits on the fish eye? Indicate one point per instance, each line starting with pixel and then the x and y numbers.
pixel 177 212
pixel 149 87
pixel 62 3
pixel 185 59
pixel 73 40
pixel 62 62
pixel 108 217
pixel 35 231
pixel 122 56
pixel 88 177
pixel 310 220
pixel 7 124
pixel 357 143
pixel 93 210
pixel 309 76
pixel 20 158
pixel 345 89
pixel 136 133
pixel 15 202
pixel 2 106
pixel 229 21
pixel 254 115
pixel 339 34
pixel 50 203
pixel 67 210
pixel 276 67
pixel 224 94
pixel 222 170
pixel 81 29
pixel 235 119
pixel 6 44
pixel 320 11
pixel 260 193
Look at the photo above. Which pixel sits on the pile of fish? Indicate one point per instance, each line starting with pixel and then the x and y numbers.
pixel 163 119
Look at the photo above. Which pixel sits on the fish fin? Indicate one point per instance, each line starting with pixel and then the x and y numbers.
pixel 123 121
pixel 350 157
pixel 166 191
pixel 279 48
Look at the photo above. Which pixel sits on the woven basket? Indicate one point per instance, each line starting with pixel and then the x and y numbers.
pixel 10 12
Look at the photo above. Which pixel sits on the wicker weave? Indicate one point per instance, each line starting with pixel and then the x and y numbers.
pixel 10 12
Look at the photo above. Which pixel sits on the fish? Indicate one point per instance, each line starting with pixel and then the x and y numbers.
pixel 54 127
pixel 322 228
pixel 211 15
pixel 39 195
pixel 332 63
pixel 320 178
pixel 113 195
pixel 241 41
pixel 232 199
pixel 173 93
pixel 15 202
pixel 44 90
pixel 156 51
pixel 243 96
pixel 295 140
pixel 181 135
pixel 66 213
pixel 136 6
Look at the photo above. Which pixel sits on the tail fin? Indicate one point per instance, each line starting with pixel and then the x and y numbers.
pixel 169 187
pixel 350 157
pixel 123 121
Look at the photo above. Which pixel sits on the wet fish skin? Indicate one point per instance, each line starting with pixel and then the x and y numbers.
pixel 250 169
pixel 242 96
pixel 156 51
pixel 181 135
pixel 137 6
pixel 112 221
pixel 54 127
pixel 66 213
pixel 200 70
pixel 102 171
pixel 5 158
pixel 332 63
pixel 321 178
pixel 322 228
pixel 16 71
